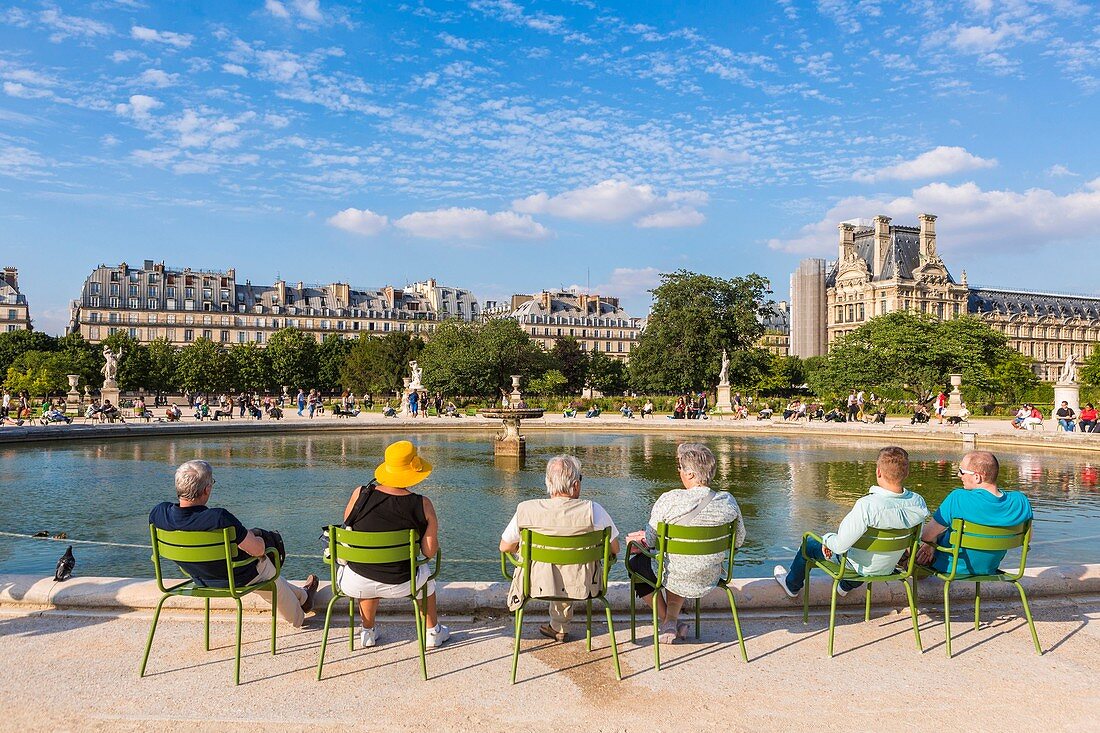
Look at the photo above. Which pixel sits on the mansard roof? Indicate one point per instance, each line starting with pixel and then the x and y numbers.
pixel 1021 302
pixel 775 318
pixel 902 255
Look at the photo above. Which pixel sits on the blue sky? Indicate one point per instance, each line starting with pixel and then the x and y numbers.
pixel 512 145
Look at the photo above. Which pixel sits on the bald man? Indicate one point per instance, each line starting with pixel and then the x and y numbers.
pixel 981 501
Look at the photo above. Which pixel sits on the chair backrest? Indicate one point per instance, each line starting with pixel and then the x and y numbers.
pixel 974 536
pixel 576 549
pixel 372 548
pixel 677 539
pixel 183 546
pixel 888 540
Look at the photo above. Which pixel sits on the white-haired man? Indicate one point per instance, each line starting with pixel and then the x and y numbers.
pixel 564 514
pixel 194 483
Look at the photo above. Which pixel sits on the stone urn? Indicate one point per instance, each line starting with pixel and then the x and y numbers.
pixel 510 442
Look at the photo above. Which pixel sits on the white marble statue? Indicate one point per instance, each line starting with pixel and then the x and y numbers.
pixel 1069 371
pixel 110 366
pixel 723 376
pixel 416 373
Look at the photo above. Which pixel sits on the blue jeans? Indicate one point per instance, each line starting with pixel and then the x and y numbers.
pixel 797 574
pixel 1067 424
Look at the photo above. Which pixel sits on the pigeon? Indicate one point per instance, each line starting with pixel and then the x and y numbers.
pixel 65 565
pixel 41 533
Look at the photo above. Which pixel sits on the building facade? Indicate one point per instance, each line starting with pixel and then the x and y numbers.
pixel 597 322
pixel 182 305
pixel 776 338
pixel 15 314
pixel 881 268
pixel 448 302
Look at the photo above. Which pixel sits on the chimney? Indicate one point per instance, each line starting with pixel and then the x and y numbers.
pixel 301 286
pixel 546 298
pixel 391 296
pixel 927 236
pixel 280 291
pixel 11 276
pixel 882 242
pixel 847 244
pixel 341 294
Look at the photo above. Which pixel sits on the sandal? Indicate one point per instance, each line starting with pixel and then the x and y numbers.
pixel 682 630
pixel 668 634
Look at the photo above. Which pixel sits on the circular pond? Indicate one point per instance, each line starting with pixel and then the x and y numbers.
pixel 296 483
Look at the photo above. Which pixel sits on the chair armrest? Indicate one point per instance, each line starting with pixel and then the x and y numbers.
pixel 274 555
pixel 807 536
pixel 649 552
pixel 505 558
pixel 438 559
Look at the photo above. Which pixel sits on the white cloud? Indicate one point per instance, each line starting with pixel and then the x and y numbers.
pixel 458 44
pixel 612 200
pixel 139 106
pixel 309 10
pixel 359 221
pixel 276 8
pixel 158 78
pixel 672 218
pixel 22 91
pixel 1059 171
pixel 71 26
pixel 20 162
pixel 464 223
pixel 942 161
pixel 235 69
pixel 178 40
pixel 109 141
pixel 969 217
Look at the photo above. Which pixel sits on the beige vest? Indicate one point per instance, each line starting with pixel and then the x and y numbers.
pixel 565 518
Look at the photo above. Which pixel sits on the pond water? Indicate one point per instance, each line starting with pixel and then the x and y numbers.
pixel 297 483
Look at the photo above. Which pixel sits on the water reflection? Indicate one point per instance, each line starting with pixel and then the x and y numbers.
pixel 296 483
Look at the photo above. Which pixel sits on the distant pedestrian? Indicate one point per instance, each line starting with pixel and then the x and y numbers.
pixel 853 406
pixel 414 403
pixel 941 406
pixel 301 401
pixel 861 400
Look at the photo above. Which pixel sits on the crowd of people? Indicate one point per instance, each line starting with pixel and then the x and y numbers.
pixel 387 503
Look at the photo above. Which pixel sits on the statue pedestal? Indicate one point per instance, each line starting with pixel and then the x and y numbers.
pixel 1071 393
pixel 954 399
pixel 109 391
pixel 724 402
pixel 72 399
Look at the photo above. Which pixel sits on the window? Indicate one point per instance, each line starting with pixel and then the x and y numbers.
pixel 259 337
pixel 208 335
pixel 240 337
pixel 839 314
pixel 189 292
pixel 133 291
pixel 188 334
pixel 225 337
pixel 133 333
pixel 114 288
pixel 170 291
pixel 95 289
pixel 206 294
pixel 151 304
pixel 152 291
pixel 93 333
pixel 113 302
pixel 93 317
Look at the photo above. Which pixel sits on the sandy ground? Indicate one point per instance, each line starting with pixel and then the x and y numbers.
pixel 72 671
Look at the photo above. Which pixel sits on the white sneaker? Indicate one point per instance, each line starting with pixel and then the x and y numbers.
pixel 437 636
pixel 840 591
pixel 369 637
pixel 780 575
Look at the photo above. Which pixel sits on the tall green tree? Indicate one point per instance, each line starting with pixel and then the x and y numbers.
pixel 693 318
pixel 783 374
pixel 293 356
pixel 377 364
pixel 44 373
pixel 606 374
pixel 162 357
pixel 331 355
pixel 15 343
pixel 571 361
pixel 202 367
pixel 1089 371
pixel 248 368
pixel 478 359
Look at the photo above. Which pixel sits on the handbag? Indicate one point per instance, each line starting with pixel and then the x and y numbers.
pixel 357 512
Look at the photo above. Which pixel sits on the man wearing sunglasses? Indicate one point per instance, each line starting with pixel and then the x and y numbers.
pixel 980 501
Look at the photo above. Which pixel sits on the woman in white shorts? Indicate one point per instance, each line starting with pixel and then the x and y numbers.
pixel 385 505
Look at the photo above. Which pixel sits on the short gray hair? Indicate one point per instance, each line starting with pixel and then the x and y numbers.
pixel 561 473
pixel 193 478
pixel 696 459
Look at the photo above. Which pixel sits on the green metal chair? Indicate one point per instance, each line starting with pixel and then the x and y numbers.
pixel 555 550
pixel 371 548
pixel 873 540
pixel 972 536
pixel 212 546
pixel 685 540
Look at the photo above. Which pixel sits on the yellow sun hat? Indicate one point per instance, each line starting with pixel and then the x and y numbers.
pixel 403 467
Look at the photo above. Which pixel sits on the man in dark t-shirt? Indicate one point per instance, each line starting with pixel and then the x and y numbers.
pixel 194 484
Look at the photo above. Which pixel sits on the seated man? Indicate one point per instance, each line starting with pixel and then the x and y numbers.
pixel 1067 418
pixel 254 411
pixel 880 416
pixel 647 408
pixel 141 411
pixel 565 514
pixel 980 501
pixel 765 413
pixel 887 505
pixel 920 414
pixel 275 412
pixel 625 410
pixel 109 412
pixel 173 413
pixel 55 414
pixel 569 412
pixel 593 411
pixel 194 483
pixel 388 411
pixel 835 415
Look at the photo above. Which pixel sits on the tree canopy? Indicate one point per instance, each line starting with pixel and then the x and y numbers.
pixel 377 365
pixel 478 359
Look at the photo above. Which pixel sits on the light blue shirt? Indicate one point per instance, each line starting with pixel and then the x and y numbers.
pixel 882 509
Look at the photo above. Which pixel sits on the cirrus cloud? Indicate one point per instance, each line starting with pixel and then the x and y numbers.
pixel 178 40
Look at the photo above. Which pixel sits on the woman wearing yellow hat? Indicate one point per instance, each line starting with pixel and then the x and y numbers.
pixel 386 505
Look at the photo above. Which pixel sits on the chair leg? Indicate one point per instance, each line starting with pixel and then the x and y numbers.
pixel 614 644
pixel 324 635
pixel 737 624
pixel 152 631
pixel 515 650
pixel 947 615
pixel 274 614
pixel 633 634
pixel 656 634
pixel 912 592
pixel 1030 620
pixel 206 627
pixel 832 616
pixel 867 604
pixel 240 623
pixel 351 623
pixel 698 619
pixel 806 595
pixel 421 634
pixel 588 623
pixel 977 606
